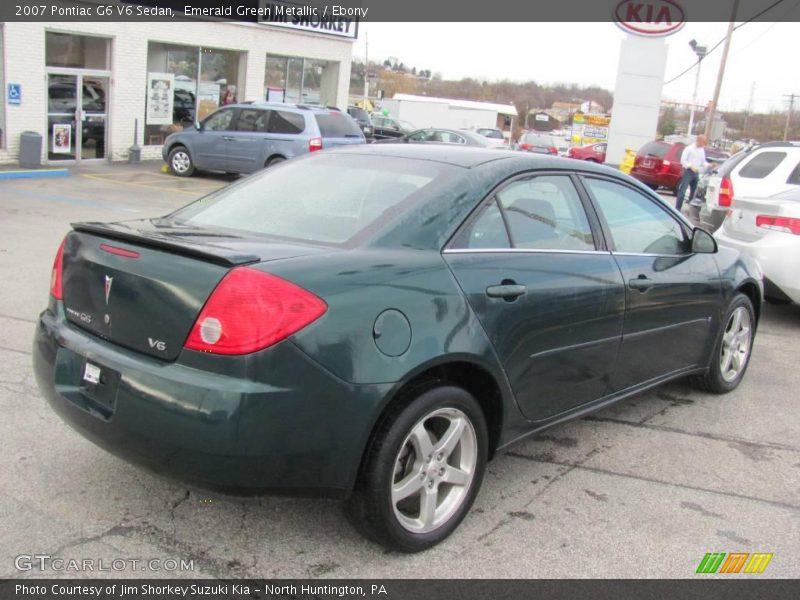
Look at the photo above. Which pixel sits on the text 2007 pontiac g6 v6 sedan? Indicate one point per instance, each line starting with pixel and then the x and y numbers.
pixel 377 322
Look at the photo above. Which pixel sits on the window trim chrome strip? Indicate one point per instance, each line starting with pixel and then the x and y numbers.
pixel 519 250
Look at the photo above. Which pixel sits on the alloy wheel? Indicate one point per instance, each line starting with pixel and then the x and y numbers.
pixel 736 343
pixel 181 161
pixel 433 470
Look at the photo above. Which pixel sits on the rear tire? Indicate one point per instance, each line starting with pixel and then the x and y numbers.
pixel 422 470
pixel 180 162
pixel 733 348
pixel 274 161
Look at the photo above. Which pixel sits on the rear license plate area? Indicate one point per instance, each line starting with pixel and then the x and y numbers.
pixel 647 162
pixel 99 384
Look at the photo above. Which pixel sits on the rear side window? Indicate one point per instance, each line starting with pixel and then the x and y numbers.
pixel 486 232
pixel 283 121
pixel 794 177
pixel 762 165
pixel 658 149
pixel 337 125
pixel 545 213
pixel 251 119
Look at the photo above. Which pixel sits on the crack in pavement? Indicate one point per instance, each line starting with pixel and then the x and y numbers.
pixel 700 434
pixel 7 349
pixel 569 467
pixel 598 470
pixel 23 319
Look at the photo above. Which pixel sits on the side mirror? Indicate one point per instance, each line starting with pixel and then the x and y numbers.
pixel 703 242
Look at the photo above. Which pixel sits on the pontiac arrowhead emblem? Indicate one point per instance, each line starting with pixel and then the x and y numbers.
pixel 109 281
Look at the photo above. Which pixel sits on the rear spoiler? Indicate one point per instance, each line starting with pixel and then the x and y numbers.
pixel 221 255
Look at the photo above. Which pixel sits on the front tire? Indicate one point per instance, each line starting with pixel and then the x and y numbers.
pixel 422 470
pixel 733 348
pixel 180 162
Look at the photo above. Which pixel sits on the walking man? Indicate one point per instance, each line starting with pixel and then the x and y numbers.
pixel 693 160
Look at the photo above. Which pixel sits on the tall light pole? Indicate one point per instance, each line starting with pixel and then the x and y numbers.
pixel 700 51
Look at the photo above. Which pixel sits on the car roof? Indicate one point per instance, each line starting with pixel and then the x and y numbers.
pixel 473 156
pixel 317 108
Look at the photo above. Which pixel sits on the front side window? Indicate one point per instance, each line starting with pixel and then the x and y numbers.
pixel 448 137
pixel 637 224
pixel 424 135
pixel 219 121
pixel 545 213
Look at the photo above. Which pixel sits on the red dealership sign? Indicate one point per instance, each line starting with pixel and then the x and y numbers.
pixel 649 17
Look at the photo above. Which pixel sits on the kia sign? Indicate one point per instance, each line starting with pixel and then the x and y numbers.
pixel 649 17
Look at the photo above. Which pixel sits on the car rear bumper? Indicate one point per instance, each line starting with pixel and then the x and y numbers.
pixel 280 424
pixel 665 180
pixel 778 256
pixel 711 217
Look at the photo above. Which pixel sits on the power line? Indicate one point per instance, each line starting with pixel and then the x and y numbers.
pixel 717 45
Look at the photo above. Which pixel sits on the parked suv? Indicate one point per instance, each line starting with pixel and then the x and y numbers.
pixel 388 127
pixel 242 138
pixel 362 118
pixel 758 172
pixel 658 165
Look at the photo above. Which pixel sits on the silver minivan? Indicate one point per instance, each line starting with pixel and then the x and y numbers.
pixel 246 137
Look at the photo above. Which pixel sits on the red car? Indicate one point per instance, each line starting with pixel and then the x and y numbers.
pixel 658 165
pixel 592 152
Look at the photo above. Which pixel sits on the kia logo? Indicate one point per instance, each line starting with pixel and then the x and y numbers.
pixel 649 17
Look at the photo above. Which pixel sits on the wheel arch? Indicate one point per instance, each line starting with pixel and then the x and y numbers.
pixel 273 156
pixel 753 292
pixel 458 371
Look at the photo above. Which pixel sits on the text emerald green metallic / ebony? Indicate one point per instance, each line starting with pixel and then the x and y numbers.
pixel 377 322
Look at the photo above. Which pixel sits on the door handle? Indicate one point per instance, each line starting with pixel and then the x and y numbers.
pixel 642 283
pixel 508 291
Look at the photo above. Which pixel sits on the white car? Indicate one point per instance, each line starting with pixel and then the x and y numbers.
pixel 759 172
pixel 768 229
pixel 495 137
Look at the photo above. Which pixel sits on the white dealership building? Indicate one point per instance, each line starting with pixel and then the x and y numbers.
pixel 86 87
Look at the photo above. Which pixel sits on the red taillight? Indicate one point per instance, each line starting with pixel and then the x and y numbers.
pixel 525 146
pixel 725 192
pixel 552 150
pixel 314 144
pixel 250 310
pixel 664 168
pixel 56 273
pixel 784 224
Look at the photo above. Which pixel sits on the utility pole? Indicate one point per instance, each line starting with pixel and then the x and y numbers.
pixel 791 98
pixel 749 109
pixel 712 111
pixel 366 69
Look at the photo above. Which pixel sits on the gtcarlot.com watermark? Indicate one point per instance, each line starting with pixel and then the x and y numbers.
pixel 45 562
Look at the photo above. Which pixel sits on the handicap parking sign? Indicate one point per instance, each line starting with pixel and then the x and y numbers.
pixel 14 93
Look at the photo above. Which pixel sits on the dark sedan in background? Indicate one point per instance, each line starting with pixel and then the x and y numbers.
pixel 376 322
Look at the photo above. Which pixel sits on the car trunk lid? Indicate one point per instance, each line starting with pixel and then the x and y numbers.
pixel 141 285
pixel 750 219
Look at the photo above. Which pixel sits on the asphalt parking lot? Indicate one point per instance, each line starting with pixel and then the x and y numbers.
pixel 643 489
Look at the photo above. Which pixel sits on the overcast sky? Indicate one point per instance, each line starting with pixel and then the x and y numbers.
pixel 764 54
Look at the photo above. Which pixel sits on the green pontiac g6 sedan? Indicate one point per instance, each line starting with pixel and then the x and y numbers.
pixel 375 323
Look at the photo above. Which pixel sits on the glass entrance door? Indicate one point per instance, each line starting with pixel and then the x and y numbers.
pixel 77 112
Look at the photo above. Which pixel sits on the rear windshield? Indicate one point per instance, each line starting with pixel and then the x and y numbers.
pixel 491 133
pixel 658 149
pixel 337 125
pixel 359 113
pixel 539 140
pixel 728 166
pixel 325 198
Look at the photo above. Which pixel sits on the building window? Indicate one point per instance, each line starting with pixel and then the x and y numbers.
pixel 200 79
pixel 300 80
pixel 77 51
